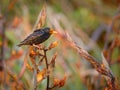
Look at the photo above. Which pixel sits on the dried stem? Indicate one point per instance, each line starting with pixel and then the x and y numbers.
pixel 46 62
pixel 24 65
pixel 100 67
pixel 35 78
pixel 33 60
pixel 35 72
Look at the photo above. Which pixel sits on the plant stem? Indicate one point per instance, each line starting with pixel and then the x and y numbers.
pixel 35 78
pixel 33 59
pixel 47 88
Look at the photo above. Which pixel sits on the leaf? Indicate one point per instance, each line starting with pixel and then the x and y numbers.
pixel 53 45
pixel 29 67
pixel 52 63
pixel 32 53
pixel 56 82
pixel 62 82
pixel 41 75
pixel 105 61
pixel 42 18
pixel 59 83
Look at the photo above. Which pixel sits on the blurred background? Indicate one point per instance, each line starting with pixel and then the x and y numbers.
pixel 93 24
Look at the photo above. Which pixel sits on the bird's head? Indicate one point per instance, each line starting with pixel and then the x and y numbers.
pixel 49 30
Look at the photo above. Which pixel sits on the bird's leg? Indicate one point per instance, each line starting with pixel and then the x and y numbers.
pixel 37 46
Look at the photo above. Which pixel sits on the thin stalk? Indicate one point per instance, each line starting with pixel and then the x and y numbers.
pixel 33 59
pixel 35 78
pixel 46 62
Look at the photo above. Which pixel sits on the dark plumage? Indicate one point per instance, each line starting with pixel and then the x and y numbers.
pixel 37 37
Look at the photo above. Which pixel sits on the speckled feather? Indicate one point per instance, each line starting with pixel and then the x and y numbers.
pixel 37 37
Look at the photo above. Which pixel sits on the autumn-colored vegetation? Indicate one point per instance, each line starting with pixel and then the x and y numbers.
pixel 83 55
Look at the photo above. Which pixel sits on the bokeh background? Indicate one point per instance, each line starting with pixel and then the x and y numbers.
pixel 92 24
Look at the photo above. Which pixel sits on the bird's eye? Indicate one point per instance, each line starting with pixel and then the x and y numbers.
pixel 47 30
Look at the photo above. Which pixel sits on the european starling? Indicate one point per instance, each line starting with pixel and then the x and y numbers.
pixel 37 37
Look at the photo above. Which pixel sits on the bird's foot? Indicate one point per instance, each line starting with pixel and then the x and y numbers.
pixel 36 46
pixel 39 46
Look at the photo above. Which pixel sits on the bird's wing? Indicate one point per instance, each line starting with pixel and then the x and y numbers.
pixel 32 37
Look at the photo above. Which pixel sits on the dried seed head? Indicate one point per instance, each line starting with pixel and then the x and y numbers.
pixel 53 45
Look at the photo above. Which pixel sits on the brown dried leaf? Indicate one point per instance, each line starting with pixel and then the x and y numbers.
pixel 105 53
pixel 29 67
pixel 56 82
pixel 59 83
pixel 32 53
pixel 62 82
pixel 104 61
pixel 42 17
pixel 52 63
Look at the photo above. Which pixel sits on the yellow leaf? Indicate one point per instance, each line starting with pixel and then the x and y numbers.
pixel 29 67
pixel 41 75
pixel 53 45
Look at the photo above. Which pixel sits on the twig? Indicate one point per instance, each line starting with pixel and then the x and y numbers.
pixel 41 60
pixel 46 62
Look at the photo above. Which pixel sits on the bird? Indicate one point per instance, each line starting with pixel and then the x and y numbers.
pixel 38 36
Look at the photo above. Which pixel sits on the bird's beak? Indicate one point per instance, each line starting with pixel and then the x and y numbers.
pixel 53 31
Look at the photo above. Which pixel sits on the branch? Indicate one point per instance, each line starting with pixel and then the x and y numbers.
pixel 100 67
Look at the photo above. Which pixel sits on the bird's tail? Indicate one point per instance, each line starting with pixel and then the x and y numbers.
pixel 20 44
